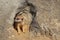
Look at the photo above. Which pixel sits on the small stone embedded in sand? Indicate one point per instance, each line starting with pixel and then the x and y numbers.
pixel 13 36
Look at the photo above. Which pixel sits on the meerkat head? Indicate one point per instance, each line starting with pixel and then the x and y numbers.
pixel 24 17
pixel 19 18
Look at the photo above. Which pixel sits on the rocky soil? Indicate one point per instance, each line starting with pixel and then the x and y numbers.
pixel 48 15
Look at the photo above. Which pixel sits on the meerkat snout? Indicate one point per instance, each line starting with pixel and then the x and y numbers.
pixel 19 19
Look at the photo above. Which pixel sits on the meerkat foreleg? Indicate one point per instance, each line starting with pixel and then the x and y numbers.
pixel 18 29
pixel 26 28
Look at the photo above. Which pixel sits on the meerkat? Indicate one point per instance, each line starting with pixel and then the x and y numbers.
pixel 22 21
pixel 24 17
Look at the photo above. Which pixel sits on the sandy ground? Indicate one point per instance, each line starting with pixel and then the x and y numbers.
pixel 48 13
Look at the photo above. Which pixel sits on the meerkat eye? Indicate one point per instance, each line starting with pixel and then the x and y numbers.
pixel 22 19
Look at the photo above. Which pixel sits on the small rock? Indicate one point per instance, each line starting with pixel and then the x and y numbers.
pixel 13 36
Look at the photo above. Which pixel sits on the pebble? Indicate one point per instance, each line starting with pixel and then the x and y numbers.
pixel 13 36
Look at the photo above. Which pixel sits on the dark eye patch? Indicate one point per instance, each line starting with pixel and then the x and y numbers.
pixel 22 19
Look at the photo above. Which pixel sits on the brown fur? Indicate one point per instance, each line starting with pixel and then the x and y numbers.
pixel 22 21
